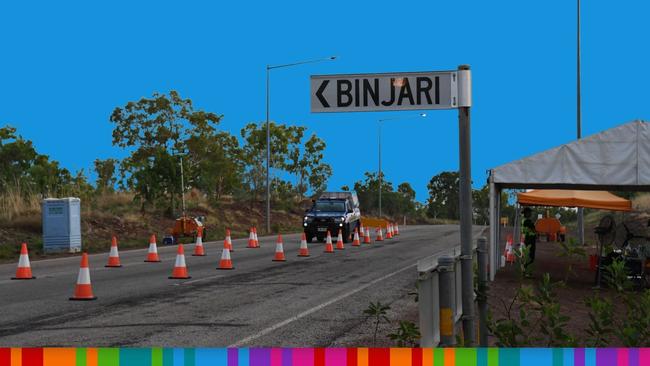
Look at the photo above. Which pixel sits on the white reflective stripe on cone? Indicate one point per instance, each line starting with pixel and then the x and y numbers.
pixel 225 254
pixel 84 276
pixel 113 252
pixel 153 248
pixel 23 261
pixel 180 261
pixel 279 248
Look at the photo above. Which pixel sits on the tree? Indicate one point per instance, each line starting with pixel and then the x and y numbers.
pixel 106 179
pixel 157 129
pixel 254 153
pixel 443 196
pixel 215 164
pixel 16 158
pixel 306 163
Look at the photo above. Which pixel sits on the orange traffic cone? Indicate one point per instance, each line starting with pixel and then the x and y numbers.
pixel 199 251
pixel 83 290
pixel 389 231
pixel 279 250
pixel 180 269
pixel 251 239
pixel 396 230
pixel 379 235
pixel 509 252
pixel 257 242
pixel 366 236
pixel 339 241
pixel 329 248
pixel 24 270
pixel 225 262
pixel 362 230
pixel 227 243
pixel 113 256
pixel 304 250
pixel 356 242
pixel 152 255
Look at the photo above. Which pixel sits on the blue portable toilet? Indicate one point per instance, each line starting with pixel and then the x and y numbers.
pixel 61 225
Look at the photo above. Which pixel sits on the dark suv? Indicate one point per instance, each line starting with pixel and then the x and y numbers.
pixel 332 211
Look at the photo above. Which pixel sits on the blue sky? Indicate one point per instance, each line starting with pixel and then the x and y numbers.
pixel 65 66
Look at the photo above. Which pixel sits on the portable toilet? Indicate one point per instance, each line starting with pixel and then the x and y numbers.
pixel 61 225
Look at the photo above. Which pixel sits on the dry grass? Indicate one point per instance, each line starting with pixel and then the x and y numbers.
pixel 14 203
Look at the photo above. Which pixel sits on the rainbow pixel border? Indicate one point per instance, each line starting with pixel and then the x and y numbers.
pixel 324 356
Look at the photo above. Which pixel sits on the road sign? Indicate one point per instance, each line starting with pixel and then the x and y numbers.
pixel 384 92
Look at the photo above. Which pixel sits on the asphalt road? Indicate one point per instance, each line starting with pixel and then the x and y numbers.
pixel 301 302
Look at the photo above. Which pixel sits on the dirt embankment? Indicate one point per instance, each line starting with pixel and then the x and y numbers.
pixel 117 214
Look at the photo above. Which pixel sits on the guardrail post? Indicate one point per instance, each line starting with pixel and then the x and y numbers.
pixel 429 308
pixel 482 252
pixel 447 281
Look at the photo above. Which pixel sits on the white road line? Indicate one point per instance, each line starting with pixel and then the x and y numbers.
pixel 281 324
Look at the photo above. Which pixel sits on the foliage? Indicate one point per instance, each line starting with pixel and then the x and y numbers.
pixel 106 178
pixel 443 196
pixel 601 321
pixel 615 276
pixel 377 311
pixel 394 203
pixel 572 251
pixel 406 335
pixel 289 153
pixel 157 129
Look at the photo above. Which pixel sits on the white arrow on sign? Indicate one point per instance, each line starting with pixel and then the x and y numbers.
pixel 384 92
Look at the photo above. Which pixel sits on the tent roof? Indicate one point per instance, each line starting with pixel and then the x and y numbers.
pixel 618 158
pixel 572 198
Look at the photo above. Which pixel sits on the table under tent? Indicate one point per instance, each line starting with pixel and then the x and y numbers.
pixel 617 159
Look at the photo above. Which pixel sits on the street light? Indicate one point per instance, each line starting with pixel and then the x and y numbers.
pixel 379 148
pixel 268 131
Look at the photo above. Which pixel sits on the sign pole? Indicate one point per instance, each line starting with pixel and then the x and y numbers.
pixel 467 273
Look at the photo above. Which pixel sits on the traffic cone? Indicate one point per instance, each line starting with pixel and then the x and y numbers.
pixel 83 291
pixel 396 230
pixel 180 269
pixel 366 236
pixel 227 243
pixel 152 255
pixel 225 262
pixel 24 270
pixel 279 250
pixel 303 251
pixel 329 248
pixel 113 256
pixel 257 242
pixel 389 231
pixel 339 241
pixel 198 247
pixel 379 235
pixel 509 252
pixel 355 241
pixel 362 230
pixel 251 239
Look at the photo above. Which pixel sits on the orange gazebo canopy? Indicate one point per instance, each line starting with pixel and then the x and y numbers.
pixel 574 198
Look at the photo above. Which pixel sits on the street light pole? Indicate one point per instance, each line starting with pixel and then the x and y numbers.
pixel 379 148
pixel 380 168
pixel 268 130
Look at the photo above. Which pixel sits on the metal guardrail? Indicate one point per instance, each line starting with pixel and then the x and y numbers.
pixel 440 298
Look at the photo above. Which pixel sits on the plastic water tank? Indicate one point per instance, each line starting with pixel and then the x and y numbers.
pixel 61 225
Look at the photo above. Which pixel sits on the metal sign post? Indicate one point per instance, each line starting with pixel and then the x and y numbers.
pixel 415 91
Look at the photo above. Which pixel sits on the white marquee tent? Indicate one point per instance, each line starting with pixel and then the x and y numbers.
pixel 617 159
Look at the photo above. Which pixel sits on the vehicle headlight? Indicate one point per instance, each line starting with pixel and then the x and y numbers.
pixel 308 219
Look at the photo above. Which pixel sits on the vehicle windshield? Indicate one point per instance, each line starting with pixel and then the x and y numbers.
pixel 329 206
